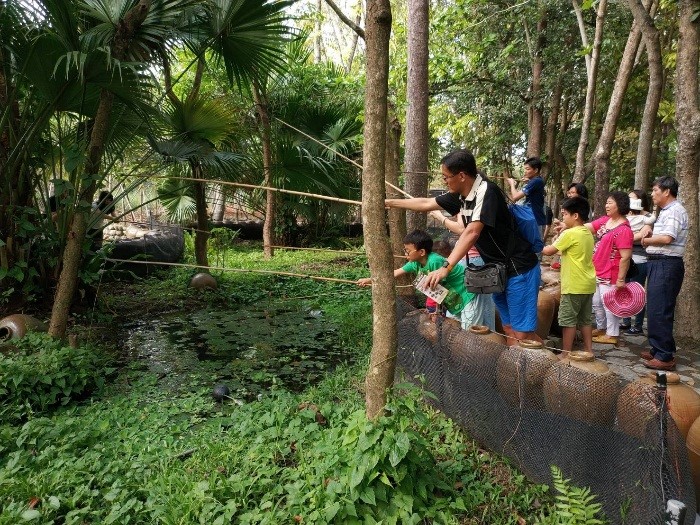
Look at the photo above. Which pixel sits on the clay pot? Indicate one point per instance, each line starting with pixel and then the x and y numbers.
pixel 473 354
pixel 485 333
pixel 520 372
pixel 427 327
pixel 203 280
pixel 549 276
pixel 693 444
pixel 636 408
pixel 546 305
pixel 683 401
pixel 583 388
pixel 555 291
pixel 17 325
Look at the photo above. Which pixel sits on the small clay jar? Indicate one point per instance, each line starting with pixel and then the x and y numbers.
pixel 583 388
pixel 520 372
pixel 485 333
pixel 16 326
pixel 203 280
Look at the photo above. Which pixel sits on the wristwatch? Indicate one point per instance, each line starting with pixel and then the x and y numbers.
pixel 446 264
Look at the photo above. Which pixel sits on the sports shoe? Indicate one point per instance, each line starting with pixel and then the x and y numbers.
pixel 625 326
pixel 655 364
pixel 634 331
pixel 647 356
pixel 605 339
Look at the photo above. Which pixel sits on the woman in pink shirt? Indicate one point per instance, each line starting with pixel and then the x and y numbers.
pixel 611 259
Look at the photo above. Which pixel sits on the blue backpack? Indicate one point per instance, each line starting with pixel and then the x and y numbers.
pixel 527 226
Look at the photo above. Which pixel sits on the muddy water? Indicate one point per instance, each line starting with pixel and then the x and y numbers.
pixel 251 350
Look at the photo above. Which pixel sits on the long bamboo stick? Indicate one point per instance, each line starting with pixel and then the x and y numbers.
pixel 239 270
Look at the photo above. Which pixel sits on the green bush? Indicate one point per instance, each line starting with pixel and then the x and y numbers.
pixel 43 373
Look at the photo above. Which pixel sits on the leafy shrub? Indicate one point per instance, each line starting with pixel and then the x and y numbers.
pixel 43 373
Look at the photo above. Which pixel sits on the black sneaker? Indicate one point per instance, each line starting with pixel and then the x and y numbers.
pixel 625 326
pixel 634 331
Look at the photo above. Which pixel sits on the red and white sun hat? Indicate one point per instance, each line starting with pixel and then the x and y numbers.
pixel 626 301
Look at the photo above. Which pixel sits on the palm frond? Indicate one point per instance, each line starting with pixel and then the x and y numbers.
pixel 177 197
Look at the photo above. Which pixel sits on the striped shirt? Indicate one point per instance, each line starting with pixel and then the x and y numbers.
pixel 672 221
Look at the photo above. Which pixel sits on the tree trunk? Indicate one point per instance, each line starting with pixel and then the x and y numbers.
pixel 353 46
pixel 580 170
pixel 72 253
pixel 380 375
pixel 318 32
pixel 417 95
pixel 654 92
pixel 584 36
pixel 201 236
pixel 534 141
pixel 607 135
pixel 217 216
pixel 265 131
pixel 550 142
pixel 397 216
pixel 688 161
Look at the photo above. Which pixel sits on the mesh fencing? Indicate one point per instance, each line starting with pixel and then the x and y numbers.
pixel 602 431
pixel 162 243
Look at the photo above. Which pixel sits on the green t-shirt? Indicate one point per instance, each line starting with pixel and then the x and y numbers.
pixel 577 271
pixel 454 280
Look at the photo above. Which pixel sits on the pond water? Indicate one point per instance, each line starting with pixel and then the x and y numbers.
pixel 251 349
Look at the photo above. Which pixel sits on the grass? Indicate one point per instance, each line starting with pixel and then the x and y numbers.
pixel 133 452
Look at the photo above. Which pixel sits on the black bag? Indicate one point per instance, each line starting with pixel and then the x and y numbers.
pixel 633 270
pixel 489 278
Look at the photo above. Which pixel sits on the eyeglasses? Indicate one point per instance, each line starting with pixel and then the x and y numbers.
pixel 446 178
pixel 409 252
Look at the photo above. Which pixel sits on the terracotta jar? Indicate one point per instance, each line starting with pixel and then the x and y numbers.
pixel 693 444
pixel 427 327
pixel 546 305
pixel 17 325
pixel 636 408
pixel 485 333
pixel 473 354
pixel 683 401
pixel 203 280
pixel 583 388
pixel 520 372
pixel 555 292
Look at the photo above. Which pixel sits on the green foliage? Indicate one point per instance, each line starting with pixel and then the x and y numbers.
pixel 42 374
pixel 574 506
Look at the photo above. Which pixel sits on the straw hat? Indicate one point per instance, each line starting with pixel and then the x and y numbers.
pixel 636 204
pixel 626 301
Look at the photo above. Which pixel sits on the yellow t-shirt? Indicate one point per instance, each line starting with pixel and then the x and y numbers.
pixel 577 271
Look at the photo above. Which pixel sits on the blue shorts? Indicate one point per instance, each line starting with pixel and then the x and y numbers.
pixel 517 305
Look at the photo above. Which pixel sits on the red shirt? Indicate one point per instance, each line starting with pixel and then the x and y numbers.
pixel 606 253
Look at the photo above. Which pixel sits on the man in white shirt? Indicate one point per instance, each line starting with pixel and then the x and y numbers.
pixel 665 246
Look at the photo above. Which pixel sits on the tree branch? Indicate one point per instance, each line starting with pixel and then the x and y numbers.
pixel 352 25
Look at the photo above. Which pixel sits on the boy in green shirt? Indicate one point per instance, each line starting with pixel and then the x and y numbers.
pixel 418 249
pixel 577 273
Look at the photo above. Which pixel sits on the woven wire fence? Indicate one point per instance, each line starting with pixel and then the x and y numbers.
pixel 602 431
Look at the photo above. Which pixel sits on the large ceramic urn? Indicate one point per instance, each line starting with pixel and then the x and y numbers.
pixel 546 306
pixel 472 353
pixel 520 372
pixel 16 326
pixel 693 444
pixel 485 333
pixel 583 388
pixel 637 404
pixel 203 280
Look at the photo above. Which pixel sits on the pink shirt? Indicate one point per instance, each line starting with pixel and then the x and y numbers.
pixel 606 253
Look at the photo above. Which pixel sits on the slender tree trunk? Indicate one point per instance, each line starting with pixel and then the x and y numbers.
pixel 353 46
pixel 607 135
pixel 380 375
pixel 416 155
pixel 654 92
pixel 584 36
pixel 534 141
pixel 72 253
pixel 318 32
pixel 550 142
pixel 580 170
pixel 265 131
pixel 397 217
pixel 688 161
pixel 217 215
pixel 202 234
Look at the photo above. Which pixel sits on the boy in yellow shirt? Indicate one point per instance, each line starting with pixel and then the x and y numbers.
pixel 577 273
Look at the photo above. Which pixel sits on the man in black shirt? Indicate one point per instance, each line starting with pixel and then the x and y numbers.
pixel 491 227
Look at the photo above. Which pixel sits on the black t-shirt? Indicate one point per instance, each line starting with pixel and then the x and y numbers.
pixel 487 204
